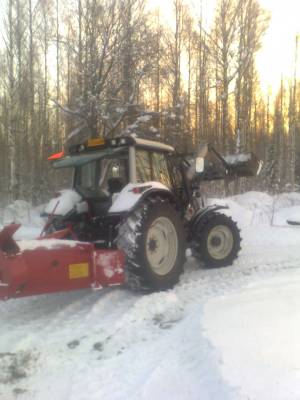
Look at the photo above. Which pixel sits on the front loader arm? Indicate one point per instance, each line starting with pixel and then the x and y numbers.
pixel 229 167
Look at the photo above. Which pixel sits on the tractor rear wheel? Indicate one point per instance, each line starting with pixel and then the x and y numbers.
pixel 218 240
pixel 153 239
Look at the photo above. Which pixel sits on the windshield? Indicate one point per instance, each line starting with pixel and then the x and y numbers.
pixel 102 177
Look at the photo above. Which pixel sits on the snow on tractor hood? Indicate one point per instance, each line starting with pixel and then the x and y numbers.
pixel 63 203
pixel 132 193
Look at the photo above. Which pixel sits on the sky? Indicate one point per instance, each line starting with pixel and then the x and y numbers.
pixel 276 58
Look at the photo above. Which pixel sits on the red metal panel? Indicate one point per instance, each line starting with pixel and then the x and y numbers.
pixel 46 270
pixel 109 267
pixel 55 266
pixel 7 243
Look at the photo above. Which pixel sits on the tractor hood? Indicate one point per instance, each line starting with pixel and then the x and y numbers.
pixel 63 203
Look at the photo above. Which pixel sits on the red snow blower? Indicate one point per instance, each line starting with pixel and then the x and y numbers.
pixel 54 265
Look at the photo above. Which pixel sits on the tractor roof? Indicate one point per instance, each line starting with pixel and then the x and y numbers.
pixel 151 144
pixel 97 148
pixel 120 141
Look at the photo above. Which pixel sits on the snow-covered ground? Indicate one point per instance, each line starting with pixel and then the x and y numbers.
pixel 229 333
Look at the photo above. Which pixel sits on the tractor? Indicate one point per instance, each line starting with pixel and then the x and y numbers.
pixel 134 208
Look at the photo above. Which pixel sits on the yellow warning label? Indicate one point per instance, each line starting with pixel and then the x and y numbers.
pixel 78 271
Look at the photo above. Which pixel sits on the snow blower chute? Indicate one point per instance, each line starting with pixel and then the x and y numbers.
pixel 133 206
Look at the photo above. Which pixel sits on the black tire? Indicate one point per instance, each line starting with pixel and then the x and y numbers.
pixel 218 240
pixel 133 238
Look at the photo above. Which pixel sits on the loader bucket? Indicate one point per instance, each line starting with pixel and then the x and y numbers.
pixel 231 166
pixel 243 165
pixel 51 265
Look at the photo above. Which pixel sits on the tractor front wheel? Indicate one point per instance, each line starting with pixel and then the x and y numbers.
pixel 153 240
pixel 218 240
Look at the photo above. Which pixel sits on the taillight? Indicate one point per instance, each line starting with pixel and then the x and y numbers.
pixel 56 156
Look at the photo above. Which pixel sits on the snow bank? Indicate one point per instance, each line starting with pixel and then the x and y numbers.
pixel 21 212
pixel 257 208
pixel 248 209
pixel 287 214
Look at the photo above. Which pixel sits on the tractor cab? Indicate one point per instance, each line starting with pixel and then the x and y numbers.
pixel 100 171
pixel 103 169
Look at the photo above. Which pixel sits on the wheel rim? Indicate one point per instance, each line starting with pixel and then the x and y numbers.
pixel 162 246
pixel 220 242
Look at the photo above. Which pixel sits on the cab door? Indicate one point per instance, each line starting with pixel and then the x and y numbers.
pixel 160 169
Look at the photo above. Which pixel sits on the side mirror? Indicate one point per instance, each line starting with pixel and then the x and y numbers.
pixel 199 164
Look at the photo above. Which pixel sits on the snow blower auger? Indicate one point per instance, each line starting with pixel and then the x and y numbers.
pixel 134 206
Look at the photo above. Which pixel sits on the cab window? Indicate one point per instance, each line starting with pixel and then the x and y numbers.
pixel 86 176
pixel 143 166
pixel 160 169
pixel 114 173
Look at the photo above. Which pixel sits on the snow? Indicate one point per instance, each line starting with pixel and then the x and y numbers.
pixel 144 118
pixel 237 158
pixel 21 212
pixel 256 208
pixel 75 131
pixel 256 331
pixel 45 244
pixel 287 214
pixel 228 333
pixel 64 203
pixel 104 260
pixel 127 198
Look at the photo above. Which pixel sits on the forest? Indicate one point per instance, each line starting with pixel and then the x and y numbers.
pixel 78 69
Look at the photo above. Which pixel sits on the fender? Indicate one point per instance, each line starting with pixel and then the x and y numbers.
pixel 132 195
pixel 200 214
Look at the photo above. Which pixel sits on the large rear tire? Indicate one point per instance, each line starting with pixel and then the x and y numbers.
pixel 153 240
pixel 218 240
